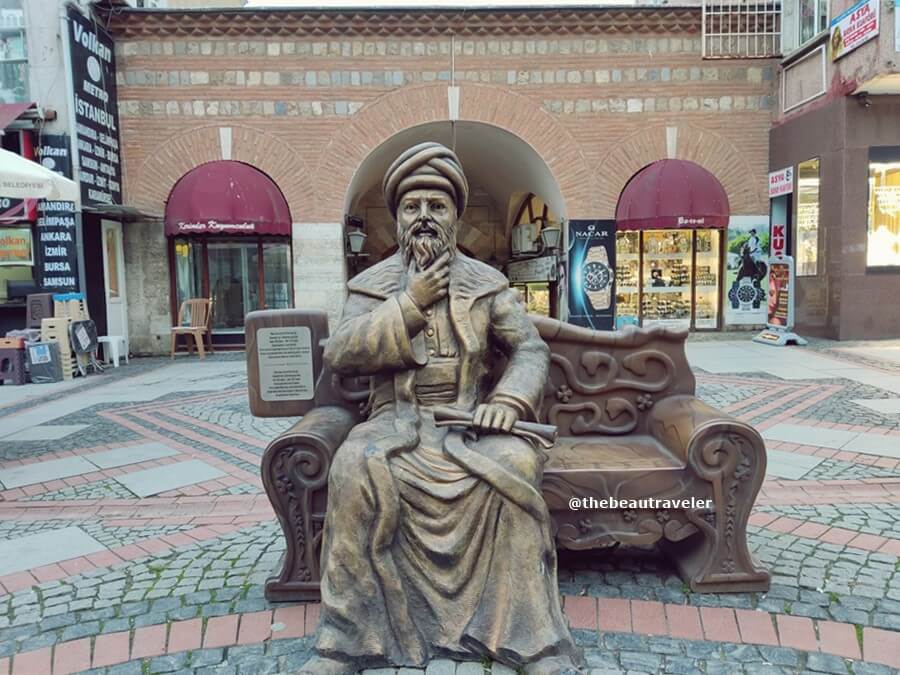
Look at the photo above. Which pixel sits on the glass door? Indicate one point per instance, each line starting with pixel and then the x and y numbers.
pixel 233 282
pixel 666 276
pixel 277 275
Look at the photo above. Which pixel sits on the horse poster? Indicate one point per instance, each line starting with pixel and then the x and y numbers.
pixel 747 270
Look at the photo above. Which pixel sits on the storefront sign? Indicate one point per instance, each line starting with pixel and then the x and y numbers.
pixel 96 111
pixel 54 153
pixel 58 269
pixel 535 269
pixel 285 364
pixel 215 227
pixel 781 293
pixel 16 246
pixel 591 267
pixel 778 239
pixel 746 270
pixel 781 182
pixel 857 25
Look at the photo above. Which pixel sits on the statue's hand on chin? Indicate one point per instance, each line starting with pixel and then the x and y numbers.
pixel 494 418
pixel 426 287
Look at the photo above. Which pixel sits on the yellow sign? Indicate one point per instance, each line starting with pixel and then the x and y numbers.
pixel 16 246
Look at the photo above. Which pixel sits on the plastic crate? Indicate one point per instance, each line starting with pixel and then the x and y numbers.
pixel 12 366
pixel 57 330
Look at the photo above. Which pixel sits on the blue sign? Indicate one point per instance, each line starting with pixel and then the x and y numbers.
pixel 591 268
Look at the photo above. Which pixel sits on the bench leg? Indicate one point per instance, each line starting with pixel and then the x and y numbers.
pixel 717 559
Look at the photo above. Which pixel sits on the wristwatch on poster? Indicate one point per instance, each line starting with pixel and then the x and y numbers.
pixel 598 277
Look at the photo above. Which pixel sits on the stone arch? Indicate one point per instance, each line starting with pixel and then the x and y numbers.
pixel 412 106
pixel 713 152
pixel 180 153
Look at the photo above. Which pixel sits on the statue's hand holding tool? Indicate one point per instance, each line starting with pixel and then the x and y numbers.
pixel 427 286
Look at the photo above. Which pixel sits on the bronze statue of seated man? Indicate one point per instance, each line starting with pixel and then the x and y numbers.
pixel 438 542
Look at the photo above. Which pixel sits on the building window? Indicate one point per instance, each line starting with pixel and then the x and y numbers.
pixel 13 57
pixel 808 217
pixel 883 242
pixel 801 21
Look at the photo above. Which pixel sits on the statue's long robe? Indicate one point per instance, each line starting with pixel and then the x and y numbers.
pixel 436 544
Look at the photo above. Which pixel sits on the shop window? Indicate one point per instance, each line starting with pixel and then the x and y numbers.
pixel 801 22
pixel 13 56
pixel 277 275
pixel 807 249
pixel 883 241
pixel 188 271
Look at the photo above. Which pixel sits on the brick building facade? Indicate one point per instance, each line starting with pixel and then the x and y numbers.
pixel 576 101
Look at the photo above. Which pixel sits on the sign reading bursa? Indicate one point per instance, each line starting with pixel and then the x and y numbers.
pixel 96 112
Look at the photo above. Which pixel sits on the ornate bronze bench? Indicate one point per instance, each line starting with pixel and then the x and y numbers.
pixel 630 428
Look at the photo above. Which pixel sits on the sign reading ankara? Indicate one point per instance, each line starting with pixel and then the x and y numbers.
pixel 96 112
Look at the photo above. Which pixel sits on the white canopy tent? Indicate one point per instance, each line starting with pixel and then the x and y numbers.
pixel 21 178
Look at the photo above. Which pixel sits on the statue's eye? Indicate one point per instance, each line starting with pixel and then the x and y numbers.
pixel 410 207
pixel 437 206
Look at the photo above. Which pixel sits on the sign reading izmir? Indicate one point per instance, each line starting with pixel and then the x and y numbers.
pixel 96 113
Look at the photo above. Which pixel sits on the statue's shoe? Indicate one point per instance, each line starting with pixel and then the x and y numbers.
pixel 553 665
pixel 319 665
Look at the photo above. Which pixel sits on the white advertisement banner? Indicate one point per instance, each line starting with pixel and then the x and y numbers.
pixel 857 25
pixel 782 182
pixel 746 270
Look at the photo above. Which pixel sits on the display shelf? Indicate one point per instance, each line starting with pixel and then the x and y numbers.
pixel 667 289
pixel 626 289
pixel 628 256
pixel 707 289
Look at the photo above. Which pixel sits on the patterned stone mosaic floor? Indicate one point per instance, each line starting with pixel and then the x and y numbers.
pixel 171 581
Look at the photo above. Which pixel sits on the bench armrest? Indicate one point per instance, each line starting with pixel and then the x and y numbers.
pixel 295 469
pixel 685 425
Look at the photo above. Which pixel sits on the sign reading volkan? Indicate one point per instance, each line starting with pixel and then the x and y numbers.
pixel 781 182
pixel 96 111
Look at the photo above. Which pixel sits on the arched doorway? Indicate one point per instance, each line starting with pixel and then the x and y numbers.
pixel 228 227
pixel 671 219
pixel 503 172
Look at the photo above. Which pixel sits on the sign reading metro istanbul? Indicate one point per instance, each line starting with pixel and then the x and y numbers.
pixel 96 112
pixel 857 25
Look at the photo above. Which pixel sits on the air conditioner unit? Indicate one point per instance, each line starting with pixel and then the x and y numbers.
pixel 524 239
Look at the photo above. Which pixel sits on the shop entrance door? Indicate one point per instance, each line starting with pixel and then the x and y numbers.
pixel 114 279
pixel 234 283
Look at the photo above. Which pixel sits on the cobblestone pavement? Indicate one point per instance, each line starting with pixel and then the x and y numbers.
pixel 171 580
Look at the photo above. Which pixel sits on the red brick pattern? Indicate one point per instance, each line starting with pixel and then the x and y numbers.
pixel 603 614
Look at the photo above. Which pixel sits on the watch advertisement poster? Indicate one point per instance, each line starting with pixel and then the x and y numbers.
pixel 781 293
pixel 746 270
pixel 96 111
pixel 591 269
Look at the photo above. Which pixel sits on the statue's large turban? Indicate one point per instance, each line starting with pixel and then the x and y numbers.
pixel 426 166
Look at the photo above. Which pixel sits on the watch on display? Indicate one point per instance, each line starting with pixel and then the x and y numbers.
pixel 597 277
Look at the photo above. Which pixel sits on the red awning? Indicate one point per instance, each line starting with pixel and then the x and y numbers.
pixel 226 198
pixel 672 193
pixel 9 112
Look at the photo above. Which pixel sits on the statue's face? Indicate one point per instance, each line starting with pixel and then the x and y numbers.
pixel 426 225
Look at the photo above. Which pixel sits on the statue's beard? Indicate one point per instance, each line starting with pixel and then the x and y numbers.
pixel 425 242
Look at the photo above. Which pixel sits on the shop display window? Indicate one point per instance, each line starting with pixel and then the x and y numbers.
pixel 883 240
pixel 628 265
pixel 669 277
pixel 706 279
pixel 807 249
pixel 277 275
pixel 536 297
pixel 666 277
pixel 188 271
